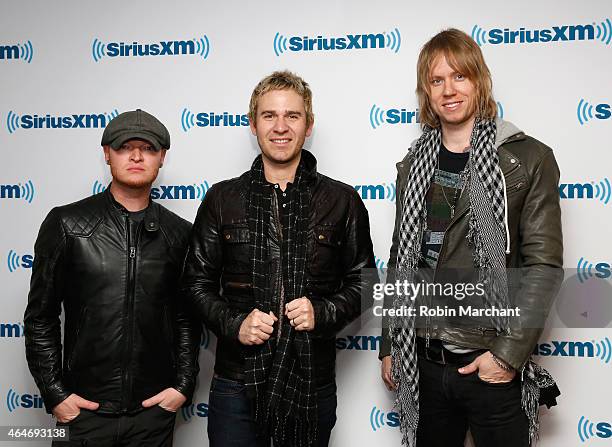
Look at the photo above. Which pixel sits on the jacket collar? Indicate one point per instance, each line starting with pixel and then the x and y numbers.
pixel 151 217
pixel 508 162
pixel 308 163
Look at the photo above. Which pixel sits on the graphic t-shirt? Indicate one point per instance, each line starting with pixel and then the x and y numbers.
pixel 443 194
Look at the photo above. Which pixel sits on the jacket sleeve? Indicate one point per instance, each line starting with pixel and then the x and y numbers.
pixel 41 319
pixel 541 251
pixel 335 311
pixel 201 279
pixel 188 333
pixel 385 345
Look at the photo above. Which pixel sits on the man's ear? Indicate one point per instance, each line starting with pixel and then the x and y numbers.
pixel 252 126
pixel 163 157
pixel 106 150
pixel 310 126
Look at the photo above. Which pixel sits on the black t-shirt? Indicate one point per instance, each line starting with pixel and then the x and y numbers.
pixel 443 194
pixel 136 216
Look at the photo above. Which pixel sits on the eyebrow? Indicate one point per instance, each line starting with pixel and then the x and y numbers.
pixel 286 112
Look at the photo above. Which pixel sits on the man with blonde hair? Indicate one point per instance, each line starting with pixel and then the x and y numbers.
pixel 274 270
pixel 479 195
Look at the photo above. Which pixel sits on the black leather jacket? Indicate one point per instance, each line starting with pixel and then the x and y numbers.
pixel 218 278
pixel 126 337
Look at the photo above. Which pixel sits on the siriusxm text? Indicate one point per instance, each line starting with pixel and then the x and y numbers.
pixel 82 121
pixel 348 42
pixel 164 48
pixel 359 342
pixel 225 119
pixel 11 330
pixel 561 33
pixel 565 349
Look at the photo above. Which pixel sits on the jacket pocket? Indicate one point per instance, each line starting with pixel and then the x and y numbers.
pixel 325 251
pixel 236 249
pixel 515 185
pixel 77 338
pixel 168 333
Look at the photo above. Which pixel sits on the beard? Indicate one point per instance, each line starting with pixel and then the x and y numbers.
pixel 133 182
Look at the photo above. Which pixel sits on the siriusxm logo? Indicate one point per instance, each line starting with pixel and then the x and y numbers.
pixel 15 262
pixel 377 192
pixel 588 429
pixel 200 410
pixel 603 270
pixel 74 121
pixel 23 191
pixel 381 266
pixel 358 342
pixel 195 191
pixel 14 401
pixel 194 47
pixel 212 119
pixel 601 31
pixel 601 190
pixel 602 349
pixel 23 51
pixel 378 419
pixel 379 116
pixel 11 330
pixel 388 39
pixel 584 111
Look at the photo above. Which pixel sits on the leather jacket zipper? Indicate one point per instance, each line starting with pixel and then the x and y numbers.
pixel 80 322
pixel 129 314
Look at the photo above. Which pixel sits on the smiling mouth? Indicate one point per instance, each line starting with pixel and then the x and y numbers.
pixel 280 140
pixel 452 105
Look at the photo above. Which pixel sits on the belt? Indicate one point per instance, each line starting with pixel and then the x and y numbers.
pixel 437 353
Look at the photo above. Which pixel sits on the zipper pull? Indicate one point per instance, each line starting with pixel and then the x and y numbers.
pixel 132 252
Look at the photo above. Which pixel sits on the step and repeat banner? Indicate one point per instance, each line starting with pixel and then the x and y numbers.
pixel 67 68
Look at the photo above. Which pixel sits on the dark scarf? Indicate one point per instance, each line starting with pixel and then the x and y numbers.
pixel 279 373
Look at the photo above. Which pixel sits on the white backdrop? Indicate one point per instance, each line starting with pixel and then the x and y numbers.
pixel 64 58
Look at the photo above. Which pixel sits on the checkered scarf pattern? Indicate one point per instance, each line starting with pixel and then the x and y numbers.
pixel 486 234
pixel 280 373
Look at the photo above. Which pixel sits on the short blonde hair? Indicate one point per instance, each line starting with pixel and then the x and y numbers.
pixel 464 55
pixel 282 80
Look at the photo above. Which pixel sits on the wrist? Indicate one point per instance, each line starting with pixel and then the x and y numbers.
pixel 501 363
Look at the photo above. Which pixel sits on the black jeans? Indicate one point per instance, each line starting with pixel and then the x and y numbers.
pixel 151 427
pixel 451 402
pixel 231 424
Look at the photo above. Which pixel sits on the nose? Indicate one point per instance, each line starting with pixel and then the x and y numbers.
pixel 280 126
pixel 136 155
pixel 449 87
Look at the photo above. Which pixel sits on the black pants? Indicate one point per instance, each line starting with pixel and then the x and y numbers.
pixel 451 402
pixel 152 427
pixel 231 424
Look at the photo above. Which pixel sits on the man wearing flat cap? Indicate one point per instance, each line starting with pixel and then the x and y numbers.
pixel 129 357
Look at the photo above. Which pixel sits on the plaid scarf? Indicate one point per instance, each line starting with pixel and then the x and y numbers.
pixel 279 373
pixel 486 234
